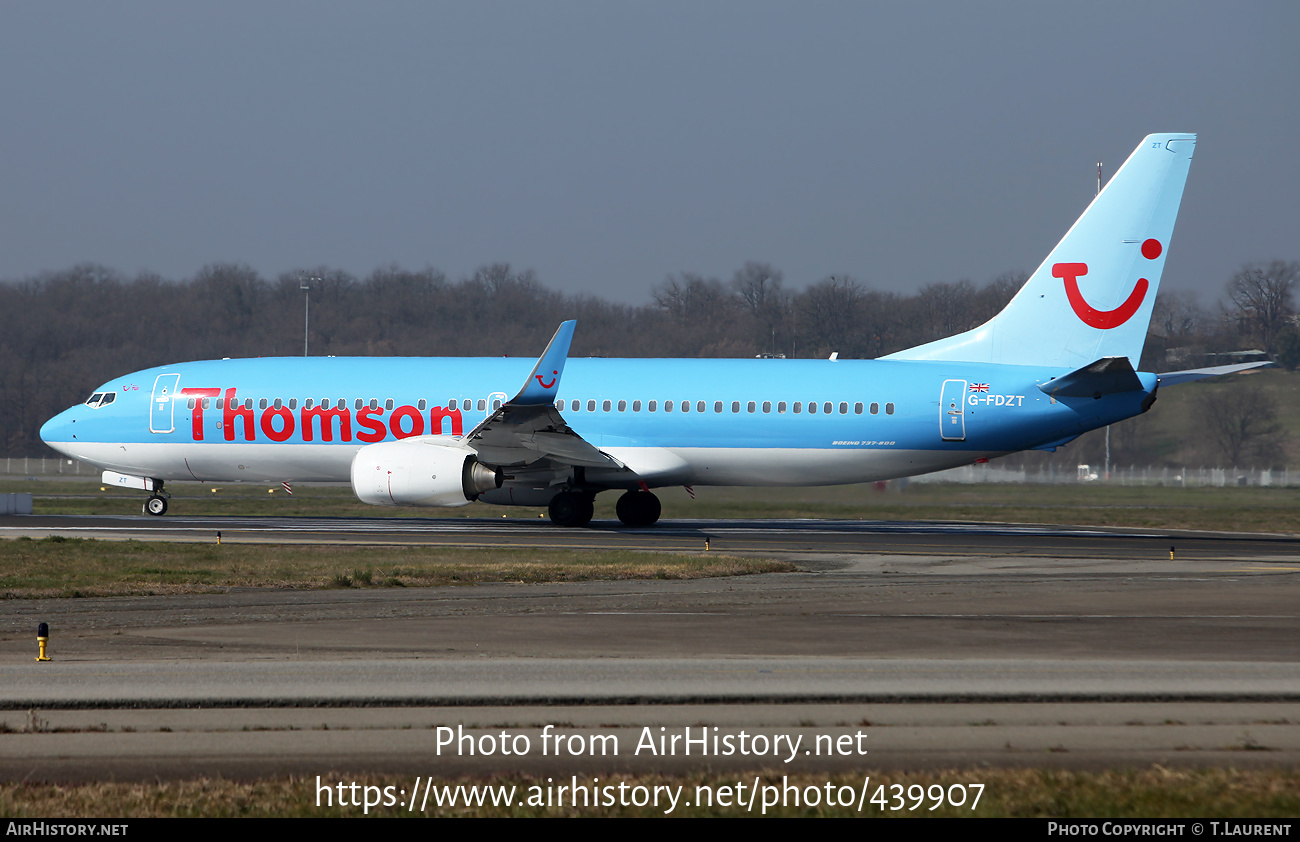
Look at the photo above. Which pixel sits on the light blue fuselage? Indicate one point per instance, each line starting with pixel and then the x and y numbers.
pixel 731 421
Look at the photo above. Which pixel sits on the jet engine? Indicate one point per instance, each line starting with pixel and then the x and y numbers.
pixel 419 472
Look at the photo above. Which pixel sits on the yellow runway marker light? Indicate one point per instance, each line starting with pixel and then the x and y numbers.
pixel 42 637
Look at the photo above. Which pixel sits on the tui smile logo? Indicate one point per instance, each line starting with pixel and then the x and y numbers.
pixel 543 383
pixel 1104 319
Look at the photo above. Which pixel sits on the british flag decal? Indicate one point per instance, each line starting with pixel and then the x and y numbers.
pixel 979 387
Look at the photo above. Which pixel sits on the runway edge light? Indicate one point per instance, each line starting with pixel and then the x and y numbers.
pixel 42 637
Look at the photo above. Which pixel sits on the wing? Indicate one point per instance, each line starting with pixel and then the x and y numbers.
pixel 528 428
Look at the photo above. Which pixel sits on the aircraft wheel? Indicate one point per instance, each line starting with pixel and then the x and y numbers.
pixel 638 508
pixel 571 509
pixel 155 505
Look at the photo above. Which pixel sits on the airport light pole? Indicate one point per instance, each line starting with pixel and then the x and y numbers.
pixel 304 284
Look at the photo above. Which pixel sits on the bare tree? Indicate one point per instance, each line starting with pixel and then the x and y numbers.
pixel 767 305
pixel 1243 424
pixel 1262 296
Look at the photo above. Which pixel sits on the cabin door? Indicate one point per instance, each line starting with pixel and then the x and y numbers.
pixel 952 402
pixel 162 410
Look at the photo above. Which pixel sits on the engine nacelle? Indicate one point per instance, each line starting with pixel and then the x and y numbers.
pixel 420 472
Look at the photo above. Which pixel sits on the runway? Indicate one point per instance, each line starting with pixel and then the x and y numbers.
pixel 744 536
pixel 1002 627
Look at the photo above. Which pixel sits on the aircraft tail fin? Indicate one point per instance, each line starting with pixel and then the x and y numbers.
pixel 1093 295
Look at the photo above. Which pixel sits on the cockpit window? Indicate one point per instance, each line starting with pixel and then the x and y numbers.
pixel 101 399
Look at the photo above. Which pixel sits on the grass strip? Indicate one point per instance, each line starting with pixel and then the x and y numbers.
pixel 79 567
pixel 1151 793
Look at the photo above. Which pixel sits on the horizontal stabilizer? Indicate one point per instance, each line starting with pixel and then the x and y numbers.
pixel 1107 376
pixel 1173 378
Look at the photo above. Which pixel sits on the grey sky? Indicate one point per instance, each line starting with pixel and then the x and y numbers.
pixel 607 144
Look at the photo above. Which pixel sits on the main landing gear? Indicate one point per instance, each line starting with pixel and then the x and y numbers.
pixel 575 508
pixel 572 508
pixel 638 508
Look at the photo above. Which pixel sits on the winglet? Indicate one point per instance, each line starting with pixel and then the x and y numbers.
pixel 543 384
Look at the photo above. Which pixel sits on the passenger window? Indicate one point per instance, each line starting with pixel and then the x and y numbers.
pixel 622 406
pixel 421 405
pixel 735 407
pixel 889 409
pixel 496 403
pixel 591 406
pixel 307 404
pixel 857 408
pixel 293 403
pixel 699 406
pixel 357 404
pixel 875 409
pixel 605 406
pixel 261 404
pixel 560 404
pixel 636 406
pixel 188 404
pixel 717 406
pixel 767 406
pixel 750 406
pixel 482 405
pixel 651 406
pixel 686 406
pixel 798 407
pixel 780 406
pixel 233 403
pixel 374 403
pixel 826 408
pixel 207 402
pixel 844 407
pixel 668 406
pixel 575 405
pixel 278 403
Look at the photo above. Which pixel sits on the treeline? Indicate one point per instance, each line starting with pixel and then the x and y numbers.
pixel 63 333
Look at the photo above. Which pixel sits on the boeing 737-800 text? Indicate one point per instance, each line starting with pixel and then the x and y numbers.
pixel 1058 361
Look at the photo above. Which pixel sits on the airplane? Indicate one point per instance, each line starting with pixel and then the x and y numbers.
pixel 1059 360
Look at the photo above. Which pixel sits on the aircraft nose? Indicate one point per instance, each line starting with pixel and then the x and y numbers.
pixel 61 428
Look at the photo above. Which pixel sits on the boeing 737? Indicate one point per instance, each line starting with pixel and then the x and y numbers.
pixel 1058 361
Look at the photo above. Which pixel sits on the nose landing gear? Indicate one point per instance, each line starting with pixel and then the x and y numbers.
pixel 156 505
